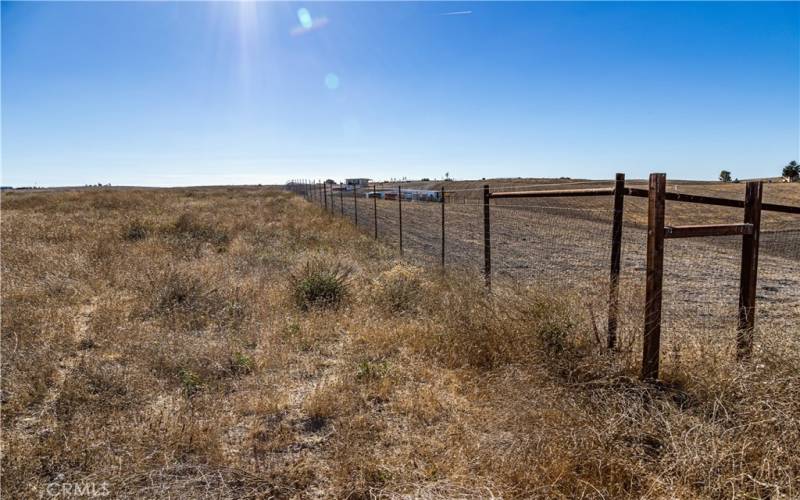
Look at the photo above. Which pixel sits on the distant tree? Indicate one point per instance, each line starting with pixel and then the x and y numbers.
pixel 792 171
pixel 725 176
pixel 330 181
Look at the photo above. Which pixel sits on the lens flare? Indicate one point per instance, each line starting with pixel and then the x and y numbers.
pixel 304 16
pixel 332 81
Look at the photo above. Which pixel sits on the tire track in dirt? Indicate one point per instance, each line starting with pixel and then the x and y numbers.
pixel 32 424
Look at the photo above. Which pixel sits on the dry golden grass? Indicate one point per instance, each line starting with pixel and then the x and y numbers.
pixel 154 340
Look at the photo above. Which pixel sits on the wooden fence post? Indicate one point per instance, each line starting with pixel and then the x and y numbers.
pixel 400 215
pixel 487 239
pixel 325 194
pixel 749 271
pixel 616 255
pixel 655 276
pixel 341 200
pixel 442 202
pixel 375 208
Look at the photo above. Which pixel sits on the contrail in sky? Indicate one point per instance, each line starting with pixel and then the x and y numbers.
pixel 458 13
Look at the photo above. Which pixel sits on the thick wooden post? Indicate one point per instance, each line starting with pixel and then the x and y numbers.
pixel 749 271
pixel 375 208
pixel 442 202
pixel 487 239
pixel 400 215
pixel 616 256
pixel 655 275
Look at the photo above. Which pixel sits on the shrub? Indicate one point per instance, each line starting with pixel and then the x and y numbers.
pixel 190 381
pixel 135 230
pixel 241 364
pixel 370 370
pixel 320 283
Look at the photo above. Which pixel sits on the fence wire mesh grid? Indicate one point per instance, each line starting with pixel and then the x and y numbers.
pixel 566 242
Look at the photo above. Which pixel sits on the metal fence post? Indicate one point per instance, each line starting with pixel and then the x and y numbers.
pixel 325 194
pixel 655 276
pixel 400 215
pixel 487 240
pixel 749 271
pixel 355 205
pixel 616 255
pixel 442 202
pixel 341 200
pixel 375 208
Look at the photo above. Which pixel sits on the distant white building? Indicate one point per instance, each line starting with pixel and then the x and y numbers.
pixel 359 183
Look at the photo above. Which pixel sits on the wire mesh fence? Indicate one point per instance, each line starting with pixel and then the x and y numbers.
pixel 566 242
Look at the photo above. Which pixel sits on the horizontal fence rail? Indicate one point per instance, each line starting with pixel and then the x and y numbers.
pixel 707 230
pixel 560 193
pixel 711 200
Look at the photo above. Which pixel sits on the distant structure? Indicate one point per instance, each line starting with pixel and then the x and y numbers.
pixel 408 195
pixel 356 183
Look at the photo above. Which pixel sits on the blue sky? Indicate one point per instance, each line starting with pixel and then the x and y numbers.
pixel 167 94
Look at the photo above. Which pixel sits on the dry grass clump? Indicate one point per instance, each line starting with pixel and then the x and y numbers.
pixel 180 297
pixel 400 289
pixel 152 339
pixel 320 283
pixel 466 326
pixel 135 230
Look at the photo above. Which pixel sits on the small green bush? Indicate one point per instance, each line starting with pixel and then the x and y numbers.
pixel 190 381
pixel 241 364
pixel 371 370
pixel 320 284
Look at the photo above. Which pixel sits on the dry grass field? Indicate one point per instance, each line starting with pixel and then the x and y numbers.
pixel 243 343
